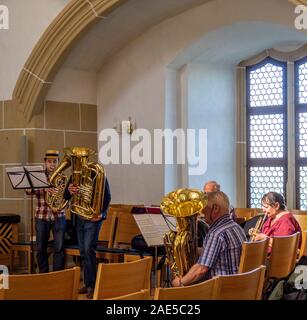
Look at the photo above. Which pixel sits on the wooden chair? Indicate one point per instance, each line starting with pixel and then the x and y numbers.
pixel 158 274
pixel 105 238
pixel 126 228
pixel 139 295
pixel 253 255
pixel 301 217
pixel 107 231
pixel 117 279
pixel 2 294
pixel 247 213
pixel 283 256
pixel 59 285
pixel 303 251
pixel 22 247
pixel 199 291
pixel 242 286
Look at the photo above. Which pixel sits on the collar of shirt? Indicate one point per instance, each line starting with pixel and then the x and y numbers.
pixel 219 221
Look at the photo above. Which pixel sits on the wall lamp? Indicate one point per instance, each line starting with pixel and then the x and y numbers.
pixel 125 126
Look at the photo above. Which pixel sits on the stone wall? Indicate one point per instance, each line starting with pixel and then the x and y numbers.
pixel 59 125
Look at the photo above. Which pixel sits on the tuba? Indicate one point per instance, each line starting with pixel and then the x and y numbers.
pixel 181 246
pixel 55 200
pixel 88 176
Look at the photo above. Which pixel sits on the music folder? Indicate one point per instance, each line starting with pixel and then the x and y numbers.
pixel 153 224
pixel 27 177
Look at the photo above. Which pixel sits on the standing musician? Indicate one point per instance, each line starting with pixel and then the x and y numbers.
pixel 280 221
pixel 46 220
pixel 87 234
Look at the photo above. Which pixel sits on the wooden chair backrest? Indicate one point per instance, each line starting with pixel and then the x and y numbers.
pixel 283 256
pixel 301 217
pixel 199 291
pixel 247 213
pixel 303 251
pixel 2 294
pixel 107 230
pixel 253 255
pixel 139 295
pixel 241 286
pixel 117 279
pixel 59 285
pixel 126 228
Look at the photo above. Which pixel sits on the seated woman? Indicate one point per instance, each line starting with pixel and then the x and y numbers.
pixel 280 221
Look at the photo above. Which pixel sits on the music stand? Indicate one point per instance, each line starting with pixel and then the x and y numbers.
pixel 28 177
pixel 153 225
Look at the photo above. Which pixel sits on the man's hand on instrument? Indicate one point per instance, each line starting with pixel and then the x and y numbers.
pixel 51 190
pixel 73 189
pixel 176 282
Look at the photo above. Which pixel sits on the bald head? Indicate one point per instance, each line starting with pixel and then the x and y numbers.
pixel 217 206
pixel 211 186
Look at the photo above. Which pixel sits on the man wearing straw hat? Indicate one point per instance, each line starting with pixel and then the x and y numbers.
pixel 47 220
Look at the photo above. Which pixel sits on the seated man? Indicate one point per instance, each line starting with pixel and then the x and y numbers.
pixel 222 244
pixel 213 186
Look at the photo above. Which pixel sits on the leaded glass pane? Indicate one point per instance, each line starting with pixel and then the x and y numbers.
pixel 303 135
pixel 263 180
pixel 266 136
pixel 303 188
pixel 302 83
pixel 266 86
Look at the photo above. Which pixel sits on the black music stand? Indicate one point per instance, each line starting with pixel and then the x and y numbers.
pixel 153 225
pixel 28 177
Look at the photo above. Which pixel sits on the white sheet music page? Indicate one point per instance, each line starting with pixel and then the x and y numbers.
pixel 17 177
pixel 153 227
pixel 38 176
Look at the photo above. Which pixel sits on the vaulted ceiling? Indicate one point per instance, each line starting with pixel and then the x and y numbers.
pixel 120 27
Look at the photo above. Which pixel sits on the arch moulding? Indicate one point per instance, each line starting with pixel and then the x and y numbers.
pixel 53 47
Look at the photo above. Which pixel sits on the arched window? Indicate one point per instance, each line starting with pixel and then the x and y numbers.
pixel 301 132
pixel 272 111
pixel 266 84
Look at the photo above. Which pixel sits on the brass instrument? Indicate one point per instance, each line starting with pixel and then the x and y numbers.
pixel 258 227
pixel 88 176
pixel 181 246
pixel 55 200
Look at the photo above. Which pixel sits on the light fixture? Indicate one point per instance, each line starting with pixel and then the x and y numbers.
pixel 126 126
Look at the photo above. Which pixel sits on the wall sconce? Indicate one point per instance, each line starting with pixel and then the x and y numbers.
pixel 127 126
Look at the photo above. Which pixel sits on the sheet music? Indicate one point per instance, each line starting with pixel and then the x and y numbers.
pixel 19 179
pixel 153 227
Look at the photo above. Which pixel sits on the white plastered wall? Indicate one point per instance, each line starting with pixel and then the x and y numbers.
pixel 134 81
pixel 28 19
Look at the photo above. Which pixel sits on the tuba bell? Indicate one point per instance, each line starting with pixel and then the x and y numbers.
pixel 181 246
pixel 55 200
pixel 88 176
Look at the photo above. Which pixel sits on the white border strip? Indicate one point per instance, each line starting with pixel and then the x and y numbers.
pixel 36 76
pixel 94 11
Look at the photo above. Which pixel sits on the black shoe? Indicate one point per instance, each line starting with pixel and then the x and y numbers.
pixel 82 290
pixel 90 292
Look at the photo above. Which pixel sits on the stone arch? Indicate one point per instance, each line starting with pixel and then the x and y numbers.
pixel 53 47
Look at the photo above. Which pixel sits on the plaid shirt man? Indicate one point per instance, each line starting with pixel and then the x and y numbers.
pixel 42 210
pixel 222 247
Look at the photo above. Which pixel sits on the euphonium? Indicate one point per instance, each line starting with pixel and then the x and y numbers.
pixel 181 246
pixel 55 200
pixel 89 177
